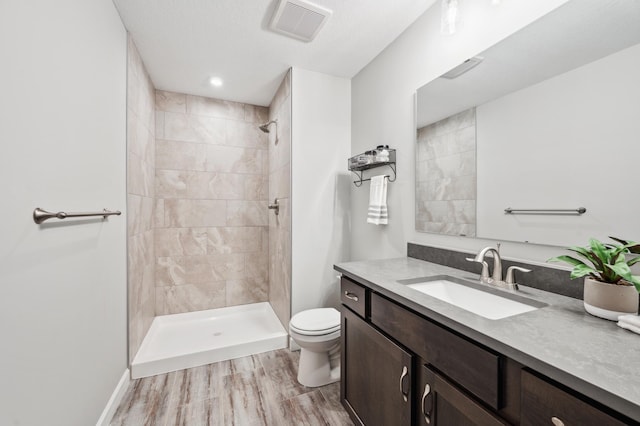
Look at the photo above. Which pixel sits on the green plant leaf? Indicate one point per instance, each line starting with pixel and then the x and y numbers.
pixel 621 269
pixel 582 251
pixel 608 260
pixel 632 246
pixel 567 259
pixel 582 270
pixel 590 256
pixel 600 250
pixel 633 261
pixel 625 272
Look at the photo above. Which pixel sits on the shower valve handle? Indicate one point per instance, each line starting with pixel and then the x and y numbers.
pixel 275 206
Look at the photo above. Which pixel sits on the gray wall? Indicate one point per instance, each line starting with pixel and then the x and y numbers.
pixel 383 113
pixel 63 129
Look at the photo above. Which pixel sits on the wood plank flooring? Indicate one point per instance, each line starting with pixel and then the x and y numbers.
pixel 256 390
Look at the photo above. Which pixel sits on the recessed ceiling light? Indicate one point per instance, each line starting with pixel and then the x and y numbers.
pixel 215 81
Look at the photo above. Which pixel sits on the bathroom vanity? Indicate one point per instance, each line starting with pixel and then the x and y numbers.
pixel 409 358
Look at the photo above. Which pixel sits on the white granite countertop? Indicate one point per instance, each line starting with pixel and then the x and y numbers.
pixel 591 355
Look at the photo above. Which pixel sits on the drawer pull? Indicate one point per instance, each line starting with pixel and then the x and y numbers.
pixel 427 413
pixel 403 376
pixel 556 421
pixel 351 296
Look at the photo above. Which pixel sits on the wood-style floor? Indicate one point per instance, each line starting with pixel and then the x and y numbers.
pixel 256 390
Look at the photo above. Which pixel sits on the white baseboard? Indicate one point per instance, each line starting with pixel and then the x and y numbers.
pixel 114 401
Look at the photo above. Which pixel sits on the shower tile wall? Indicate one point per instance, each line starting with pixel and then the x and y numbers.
pixel 140 198
pixel 211 237
pixel 280 187
pixel 446 176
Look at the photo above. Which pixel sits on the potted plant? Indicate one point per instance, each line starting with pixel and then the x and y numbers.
pixel 610 288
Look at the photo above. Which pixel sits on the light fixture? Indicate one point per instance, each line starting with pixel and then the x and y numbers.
pixel 448 16
pixel 462 68
pixel 215 81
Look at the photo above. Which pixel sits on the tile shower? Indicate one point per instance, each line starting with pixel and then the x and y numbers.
pixel 140 199
pixel 200 176
pixel 446 176
pixel 211 236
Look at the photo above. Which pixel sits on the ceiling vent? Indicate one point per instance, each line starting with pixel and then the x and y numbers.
pixel 299 19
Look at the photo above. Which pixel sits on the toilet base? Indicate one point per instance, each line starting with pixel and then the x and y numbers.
pixel 315 369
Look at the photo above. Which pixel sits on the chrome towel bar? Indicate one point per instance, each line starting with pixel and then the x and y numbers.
pixel 40 215
pixel 578 211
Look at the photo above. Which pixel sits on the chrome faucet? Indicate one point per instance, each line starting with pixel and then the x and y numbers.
pixel 497 263
pixel 510 282
pixel 496 276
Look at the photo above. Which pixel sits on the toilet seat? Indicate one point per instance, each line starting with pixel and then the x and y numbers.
pixel 316 322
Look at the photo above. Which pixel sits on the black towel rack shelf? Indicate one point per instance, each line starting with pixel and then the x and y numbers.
pixel 359 163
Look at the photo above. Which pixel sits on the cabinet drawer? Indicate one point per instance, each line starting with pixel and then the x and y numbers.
pixel 353 295
pixel 546 404
pixel 472 367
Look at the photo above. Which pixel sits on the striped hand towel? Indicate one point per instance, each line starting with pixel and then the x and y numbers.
pixel 378 201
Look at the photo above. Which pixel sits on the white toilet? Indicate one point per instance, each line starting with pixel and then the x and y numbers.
pixel 317 331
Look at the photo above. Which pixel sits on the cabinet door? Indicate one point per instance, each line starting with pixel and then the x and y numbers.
pixel 376 375
pixel 474 368
pixel 546 404
pixel 439 403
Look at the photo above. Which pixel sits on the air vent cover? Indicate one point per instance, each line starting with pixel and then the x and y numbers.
pixel 299 19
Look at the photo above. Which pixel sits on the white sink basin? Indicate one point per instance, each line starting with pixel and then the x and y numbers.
pixel 473 298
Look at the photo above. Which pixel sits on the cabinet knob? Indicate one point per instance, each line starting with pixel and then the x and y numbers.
pixel 556 421
pixel 427 413
pixel 351 296
pixel 403 376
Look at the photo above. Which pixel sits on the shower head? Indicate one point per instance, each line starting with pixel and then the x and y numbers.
pixel 265 127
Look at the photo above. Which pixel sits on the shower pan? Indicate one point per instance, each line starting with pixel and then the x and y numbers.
pixel 179 341
pixel 212 243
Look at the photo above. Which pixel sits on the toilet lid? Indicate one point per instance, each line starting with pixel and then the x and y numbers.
pixel 316 321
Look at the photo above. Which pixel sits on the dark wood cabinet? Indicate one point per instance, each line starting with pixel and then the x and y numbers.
pixel 475 368
pixel 440 403
pixel 354 296
pixel 403 368
pixel 376 375
pixel 544 403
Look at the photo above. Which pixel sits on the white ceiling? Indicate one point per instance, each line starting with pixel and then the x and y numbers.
pixel 183 43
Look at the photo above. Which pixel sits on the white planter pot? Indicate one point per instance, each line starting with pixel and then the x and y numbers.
pixel 609 301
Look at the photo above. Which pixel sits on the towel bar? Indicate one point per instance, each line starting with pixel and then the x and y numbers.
pixel 358 182
pixel 578 211
pixel 40 215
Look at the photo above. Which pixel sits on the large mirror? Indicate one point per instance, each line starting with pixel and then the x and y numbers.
pixel 537 139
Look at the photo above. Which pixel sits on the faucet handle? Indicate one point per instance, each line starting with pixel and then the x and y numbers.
pixel 510 276
pixel 484 275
